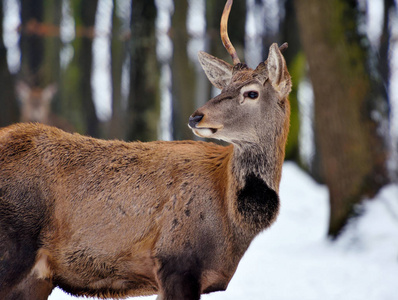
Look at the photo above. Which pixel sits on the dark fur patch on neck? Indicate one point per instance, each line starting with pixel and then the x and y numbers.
pixel 258 203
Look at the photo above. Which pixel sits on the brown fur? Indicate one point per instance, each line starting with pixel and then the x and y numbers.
pixel 116 219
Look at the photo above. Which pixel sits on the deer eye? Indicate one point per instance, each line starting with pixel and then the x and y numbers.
pixel 251 94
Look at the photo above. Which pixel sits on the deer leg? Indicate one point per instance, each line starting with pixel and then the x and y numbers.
pixel 36 285
pixel 31 288
pixel 179 279
pixel 16 260
pixel 18 249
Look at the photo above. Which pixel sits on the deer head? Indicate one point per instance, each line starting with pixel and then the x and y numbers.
pixel 35 102
pixel 252 103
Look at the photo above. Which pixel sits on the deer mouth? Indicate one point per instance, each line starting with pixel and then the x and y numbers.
pixel 205 131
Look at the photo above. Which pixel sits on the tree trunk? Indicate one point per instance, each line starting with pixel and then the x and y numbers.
pixel 88 11
pixel 52 44
pixel 353 155
pixel 296 64
pixel 9 112
pixel 117 124
pixel 384 57
pixel 31 43
pixel 52 49
pixel 384 48
pixel 183 78
pixel 144 73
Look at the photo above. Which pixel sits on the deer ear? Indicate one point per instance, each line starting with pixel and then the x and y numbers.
pixel 217 71
pixel 23 91
pixel 277 71
pixel 49 92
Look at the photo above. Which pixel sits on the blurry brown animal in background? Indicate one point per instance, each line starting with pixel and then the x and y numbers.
pixel 35 105
pixel 116 219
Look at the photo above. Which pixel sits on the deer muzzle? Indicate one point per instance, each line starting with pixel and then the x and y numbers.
pixel 201 126
pixel 194 120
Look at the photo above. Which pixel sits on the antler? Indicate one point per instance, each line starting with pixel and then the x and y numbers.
pixel 283 47
pixel 224 33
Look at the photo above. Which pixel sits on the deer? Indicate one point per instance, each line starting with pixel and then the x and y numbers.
pixel 35 105
pixel 115 219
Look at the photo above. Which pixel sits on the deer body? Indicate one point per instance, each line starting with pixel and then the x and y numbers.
pixel 108 213
pixel 116 219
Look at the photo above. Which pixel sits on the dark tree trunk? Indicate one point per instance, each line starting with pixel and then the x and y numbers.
pixel 384 48
pixel 119 52
pixel 144 73
pixel 52 49
pixel 353 155
pixel 183 81
pixel 384 58
pixel 88 10
pixel 9 112
pixel 296 64
pixel 32 46
pixel 52 43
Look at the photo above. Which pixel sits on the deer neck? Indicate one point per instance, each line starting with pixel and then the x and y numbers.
pixel 260 160
pixel 254 202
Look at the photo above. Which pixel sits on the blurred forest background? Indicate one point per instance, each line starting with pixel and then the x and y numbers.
pixel 128 70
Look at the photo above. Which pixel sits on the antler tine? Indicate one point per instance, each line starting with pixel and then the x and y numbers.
pixel 283 47
pixel 224 32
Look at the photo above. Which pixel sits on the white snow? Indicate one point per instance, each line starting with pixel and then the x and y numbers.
pixel 295 260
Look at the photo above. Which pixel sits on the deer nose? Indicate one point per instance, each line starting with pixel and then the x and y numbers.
pixel 194 120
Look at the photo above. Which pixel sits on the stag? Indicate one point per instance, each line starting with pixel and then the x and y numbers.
pixel 116 219
pixel 35 105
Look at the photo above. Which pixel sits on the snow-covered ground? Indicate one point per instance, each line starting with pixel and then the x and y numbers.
pixel 294 259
